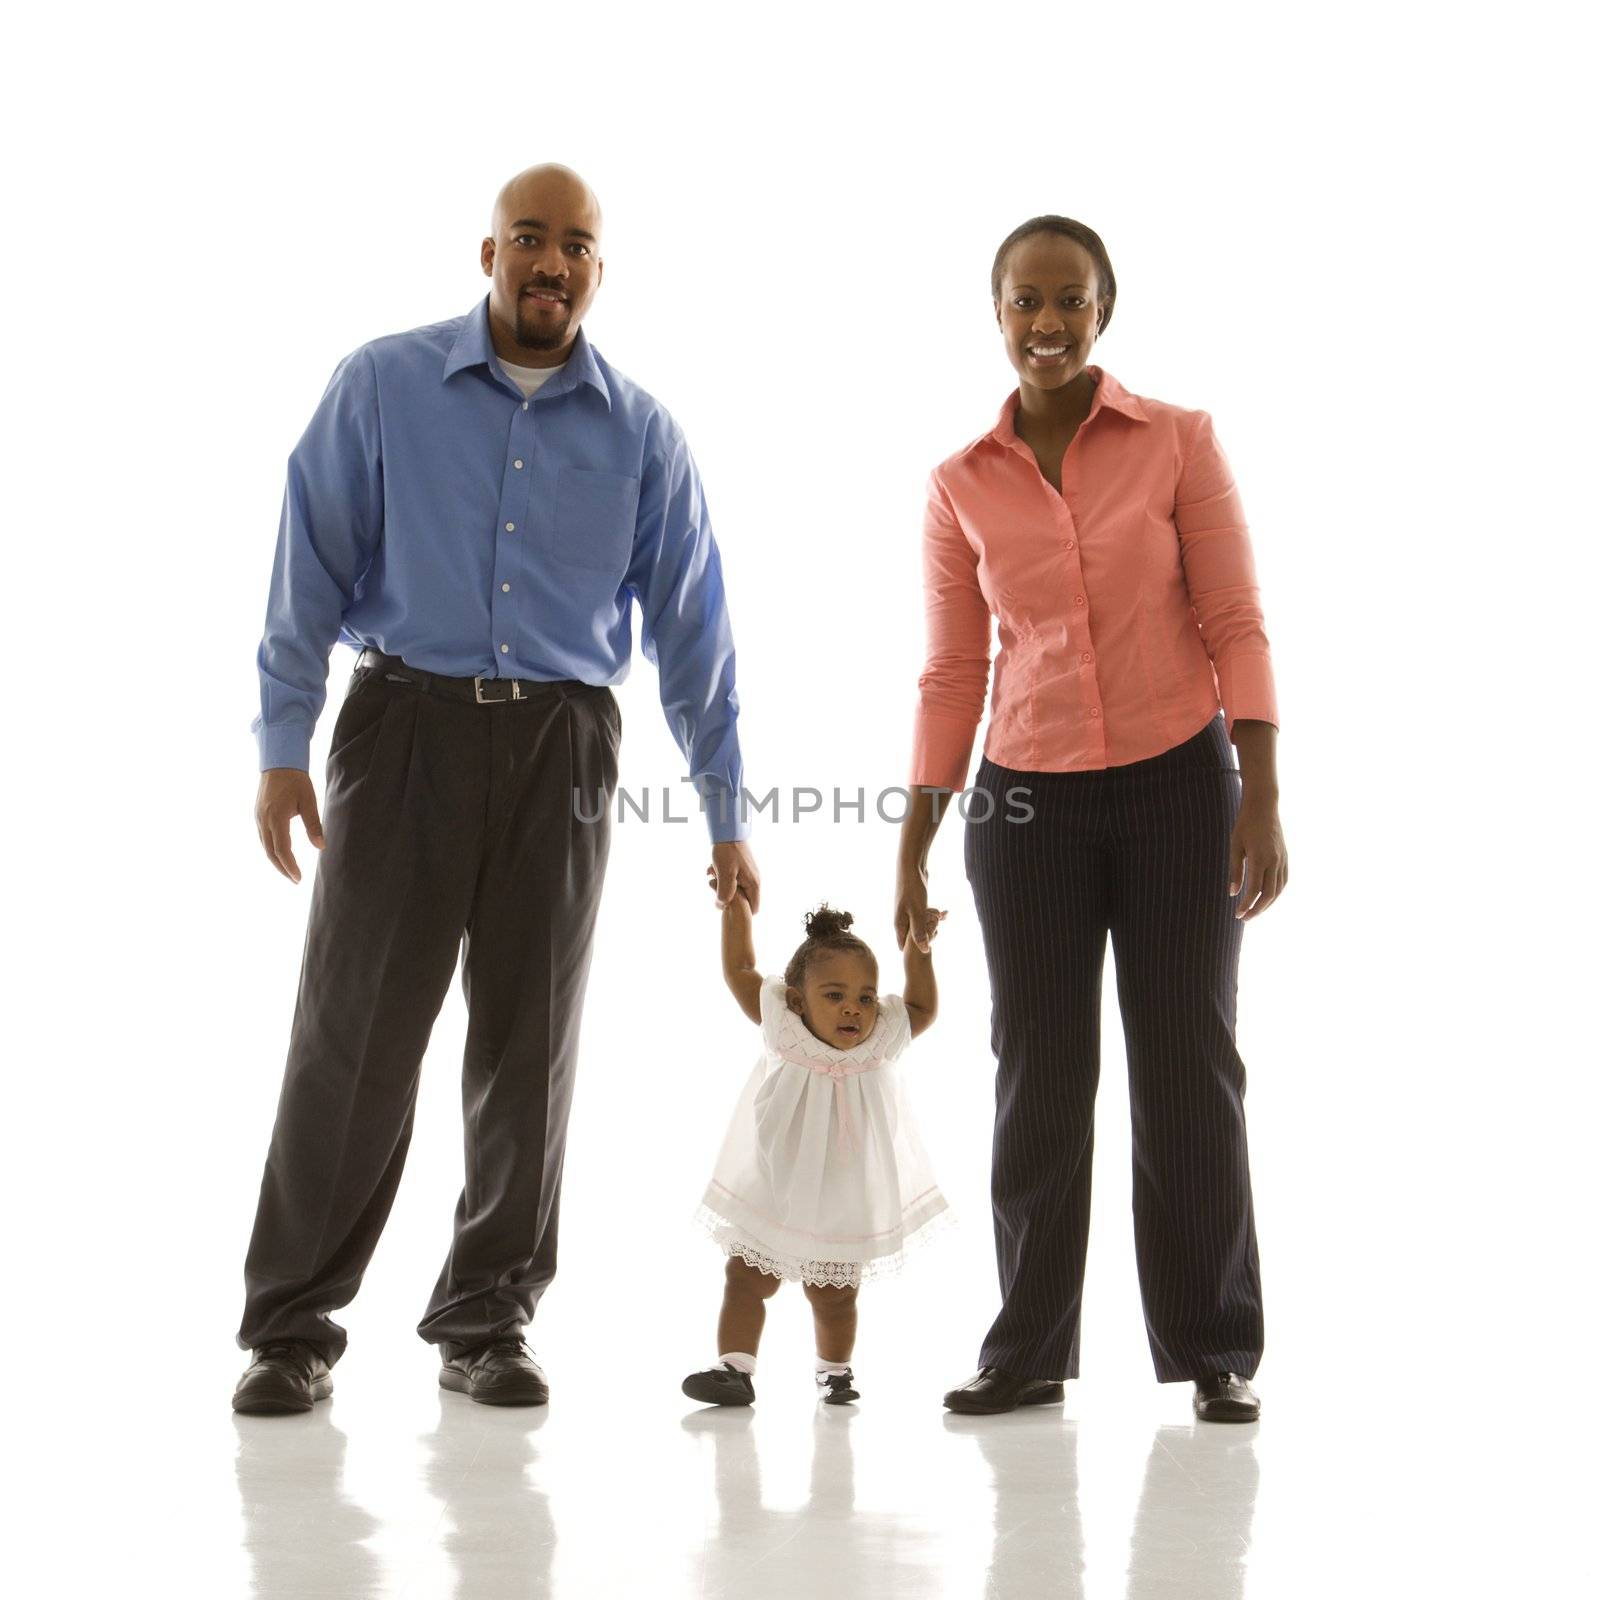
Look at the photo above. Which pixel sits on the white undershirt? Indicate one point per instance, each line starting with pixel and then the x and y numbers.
pixel 529 379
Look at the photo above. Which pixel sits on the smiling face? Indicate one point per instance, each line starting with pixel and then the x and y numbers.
pixel 544 262
pixel 1049 309
pixel 839 1003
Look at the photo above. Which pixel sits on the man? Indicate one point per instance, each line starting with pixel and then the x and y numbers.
pixel 476 504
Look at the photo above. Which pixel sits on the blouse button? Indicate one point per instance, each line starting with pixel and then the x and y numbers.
pixel 1085 656
pixel 1071 544
pixel 1077 599
pixel 1094 711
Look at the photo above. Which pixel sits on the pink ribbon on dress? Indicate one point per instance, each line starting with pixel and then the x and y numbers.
pixel 849 1144
pixel 849 1141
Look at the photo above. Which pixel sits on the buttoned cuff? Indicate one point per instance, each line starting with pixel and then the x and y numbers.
pixel 725 820
pixel 285 744
pixel 1244 683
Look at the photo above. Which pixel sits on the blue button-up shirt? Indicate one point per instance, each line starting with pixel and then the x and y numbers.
pixel 433 513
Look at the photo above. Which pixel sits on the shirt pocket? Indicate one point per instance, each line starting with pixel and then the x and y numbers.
pixel 595 517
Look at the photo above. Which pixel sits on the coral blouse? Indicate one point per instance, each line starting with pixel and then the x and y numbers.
pixel 1127 604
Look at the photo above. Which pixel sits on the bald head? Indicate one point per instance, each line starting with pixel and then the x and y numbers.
pixel 550 183
pixel 543 255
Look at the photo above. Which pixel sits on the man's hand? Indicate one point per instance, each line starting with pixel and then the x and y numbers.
pixel 733 871
pixel 285 793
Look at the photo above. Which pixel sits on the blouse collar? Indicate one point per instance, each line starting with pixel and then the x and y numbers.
pixel 1108 395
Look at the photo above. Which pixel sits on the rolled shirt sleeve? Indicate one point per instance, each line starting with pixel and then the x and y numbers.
pixel 1219 570
pixel 955 675
pixel 685 632
pixel 328 531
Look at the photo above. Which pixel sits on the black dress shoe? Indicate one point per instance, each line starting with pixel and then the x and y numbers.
pixel 720 1386
pixel 502 1372
pixel 993 1390
pixel 837 1388
pixel 284 1376
pixel 1225 1397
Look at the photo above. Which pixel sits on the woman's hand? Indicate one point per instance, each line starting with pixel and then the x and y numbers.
pixel 1257 858
pixel 911 914
pixel 912 918
pixel 921 992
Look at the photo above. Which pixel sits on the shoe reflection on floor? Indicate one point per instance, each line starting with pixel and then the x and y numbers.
pixel 1191 1535
pixel 302 1532
pixel 482 1466
pixel 844 1552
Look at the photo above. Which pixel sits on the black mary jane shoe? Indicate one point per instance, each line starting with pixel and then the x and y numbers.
pixel 503 1372
pixel 284 1376
pixel 837 1388
pixel 994 1390
pixel 1225 1397
pixel 720 1386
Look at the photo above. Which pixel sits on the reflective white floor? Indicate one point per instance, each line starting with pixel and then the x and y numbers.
pixel 785 1500
pixel 622 1488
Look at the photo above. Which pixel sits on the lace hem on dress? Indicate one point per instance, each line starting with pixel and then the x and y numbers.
pixel 826 1274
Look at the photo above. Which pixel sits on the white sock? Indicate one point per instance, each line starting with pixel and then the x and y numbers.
pixel 824 1367
pixel 740 1362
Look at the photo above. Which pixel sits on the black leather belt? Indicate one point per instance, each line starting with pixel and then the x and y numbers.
pixel 484 691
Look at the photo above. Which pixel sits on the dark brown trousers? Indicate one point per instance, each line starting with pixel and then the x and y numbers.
pixel 447 823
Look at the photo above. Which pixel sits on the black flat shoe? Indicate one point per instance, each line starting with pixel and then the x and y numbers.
pixel 1225 1397
pixel 284 1376
pixel 720 1386
pixel 502 1372
pixel 993 1390
pixel 837 1388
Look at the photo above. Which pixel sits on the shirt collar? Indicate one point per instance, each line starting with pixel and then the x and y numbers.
pixel 474 348
pixel 1108 394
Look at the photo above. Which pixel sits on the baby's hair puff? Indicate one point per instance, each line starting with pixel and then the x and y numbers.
pixel 826 929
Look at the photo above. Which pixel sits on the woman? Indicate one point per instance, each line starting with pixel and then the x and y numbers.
pixel 1103 531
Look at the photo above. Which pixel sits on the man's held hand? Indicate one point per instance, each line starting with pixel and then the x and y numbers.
pixel 733 871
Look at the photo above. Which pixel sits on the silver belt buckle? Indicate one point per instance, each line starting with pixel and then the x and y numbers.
pixel 494 700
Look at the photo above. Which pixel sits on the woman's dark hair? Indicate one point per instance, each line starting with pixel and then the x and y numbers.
pixel 826 929
pixel 1068 229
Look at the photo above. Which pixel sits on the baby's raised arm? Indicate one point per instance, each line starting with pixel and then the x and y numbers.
pixel 921 992
pixel 739 957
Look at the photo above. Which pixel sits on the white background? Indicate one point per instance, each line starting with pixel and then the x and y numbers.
pixel 1355 237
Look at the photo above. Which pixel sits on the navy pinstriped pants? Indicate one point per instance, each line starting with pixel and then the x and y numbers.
pixel 1140 852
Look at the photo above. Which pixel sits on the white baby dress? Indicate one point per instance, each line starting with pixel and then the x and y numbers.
pixel 822 1177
